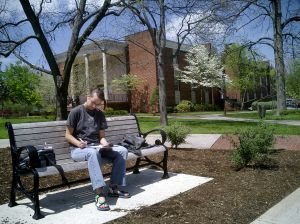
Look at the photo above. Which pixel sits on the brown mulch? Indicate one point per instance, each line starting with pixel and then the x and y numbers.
pixel 231 197
pixel 288 142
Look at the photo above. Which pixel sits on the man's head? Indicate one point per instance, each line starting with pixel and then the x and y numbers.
pixel 95 100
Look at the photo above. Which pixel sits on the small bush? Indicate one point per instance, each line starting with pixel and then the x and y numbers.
pixel 184 106
pixel 254 146
pixel 267 105
pixel 111 112
pixel 176 134
pixel 205 107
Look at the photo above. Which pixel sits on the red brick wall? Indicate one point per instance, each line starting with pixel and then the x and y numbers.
pixel 141 62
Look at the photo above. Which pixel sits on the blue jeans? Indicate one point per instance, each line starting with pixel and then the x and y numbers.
pixel 117 156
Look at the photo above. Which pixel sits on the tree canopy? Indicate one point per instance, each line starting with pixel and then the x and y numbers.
pixel 203 69
pixel 293 81
pixel 21 85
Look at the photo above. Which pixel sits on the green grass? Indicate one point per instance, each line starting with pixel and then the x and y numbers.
pixel 214 127
pixel 3 131
pixel 183 113
pixel 270 115
pixel 197 126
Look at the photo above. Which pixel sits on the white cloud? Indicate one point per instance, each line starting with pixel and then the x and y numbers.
pixel 13 7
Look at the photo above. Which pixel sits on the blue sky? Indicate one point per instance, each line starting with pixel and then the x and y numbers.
pixel 112 27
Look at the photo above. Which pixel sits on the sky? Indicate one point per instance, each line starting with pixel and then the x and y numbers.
pixel 110 27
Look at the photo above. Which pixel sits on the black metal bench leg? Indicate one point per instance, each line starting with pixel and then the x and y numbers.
pixel 165 165
pixel 37 212
pixel 136 166
pixel 12 198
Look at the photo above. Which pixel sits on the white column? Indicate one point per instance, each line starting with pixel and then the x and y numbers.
pixel 87 75
pixel 105 75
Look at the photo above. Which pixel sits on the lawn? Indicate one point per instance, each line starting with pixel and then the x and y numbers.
pixel 197 126
pixel 17 120
pixel 270 115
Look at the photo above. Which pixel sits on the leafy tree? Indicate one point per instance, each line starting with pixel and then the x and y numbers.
pixel 278 19
pixel 293 81
pixel 154 99
pixel 21 85
pixel 81 19
pixel 155 15
pixel 127 83
pixel 47 92
pixel 244 70
pixel 203 69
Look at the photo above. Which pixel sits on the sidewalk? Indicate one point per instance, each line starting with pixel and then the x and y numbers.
pixel 76 205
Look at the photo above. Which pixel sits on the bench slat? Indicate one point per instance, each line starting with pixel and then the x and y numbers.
pixel 39 124
pixel 38 130
pixel 69 165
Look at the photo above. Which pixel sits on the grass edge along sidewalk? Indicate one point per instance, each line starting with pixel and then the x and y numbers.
pixel 196 125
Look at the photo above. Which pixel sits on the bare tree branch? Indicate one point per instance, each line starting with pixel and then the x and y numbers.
pixel 31 65
pixel 289 20
pixel 13 24
pixel 15 44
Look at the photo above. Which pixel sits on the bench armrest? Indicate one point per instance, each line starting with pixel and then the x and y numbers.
pixel 162 133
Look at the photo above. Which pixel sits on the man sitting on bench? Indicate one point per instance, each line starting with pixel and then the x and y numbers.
pixel 84 129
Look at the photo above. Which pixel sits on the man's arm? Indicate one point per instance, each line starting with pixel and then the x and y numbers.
pixel 71 139
pixel 102 138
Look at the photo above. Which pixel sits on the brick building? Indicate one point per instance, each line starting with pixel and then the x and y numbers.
pixel 142 63
pixel 97 64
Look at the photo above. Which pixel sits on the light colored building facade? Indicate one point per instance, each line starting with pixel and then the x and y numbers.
pixel 96 65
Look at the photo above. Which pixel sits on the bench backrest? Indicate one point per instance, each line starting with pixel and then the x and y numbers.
pixel 53 133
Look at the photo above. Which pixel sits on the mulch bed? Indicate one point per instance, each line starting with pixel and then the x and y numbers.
pixel 289 142
pixel 231 197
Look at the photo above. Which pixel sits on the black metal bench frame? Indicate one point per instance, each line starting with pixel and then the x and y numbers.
pixel 21 135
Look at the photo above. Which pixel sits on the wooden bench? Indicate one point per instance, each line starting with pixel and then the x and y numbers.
pixel 53 132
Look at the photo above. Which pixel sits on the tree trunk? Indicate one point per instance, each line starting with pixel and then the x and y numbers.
pixel 161 43
pixel 129 95
pixel 61 104
pixel 278 53
pixel 162 91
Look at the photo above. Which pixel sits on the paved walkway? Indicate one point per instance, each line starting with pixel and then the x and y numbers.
pixel 76 205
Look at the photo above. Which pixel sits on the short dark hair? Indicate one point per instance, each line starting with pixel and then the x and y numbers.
pixel 100 94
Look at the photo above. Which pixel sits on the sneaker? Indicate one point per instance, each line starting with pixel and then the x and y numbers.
pixel 115 192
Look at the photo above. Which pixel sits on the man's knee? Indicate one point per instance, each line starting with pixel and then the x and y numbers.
pixel 93 153
pixel 122 151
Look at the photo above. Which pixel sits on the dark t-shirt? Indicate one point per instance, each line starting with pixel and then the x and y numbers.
pixel 86 124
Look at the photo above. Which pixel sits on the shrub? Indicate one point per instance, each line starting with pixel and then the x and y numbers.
pixel 198 107
pixel 176 134
pixel 254 146
pixel 154 99
pixel 267 105
pixel 111 112
pixel 184 106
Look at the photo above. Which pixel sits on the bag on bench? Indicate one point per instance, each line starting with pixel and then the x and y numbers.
pixel 133 143
pixel 30 157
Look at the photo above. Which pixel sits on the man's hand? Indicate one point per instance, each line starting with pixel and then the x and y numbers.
pixel 81 144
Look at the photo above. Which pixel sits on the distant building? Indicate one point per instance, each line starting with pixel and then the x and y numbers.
pixel 97 64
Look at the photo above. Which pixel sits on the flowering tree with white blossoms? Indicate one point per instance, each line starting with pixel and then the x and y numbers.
pixel 203 69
